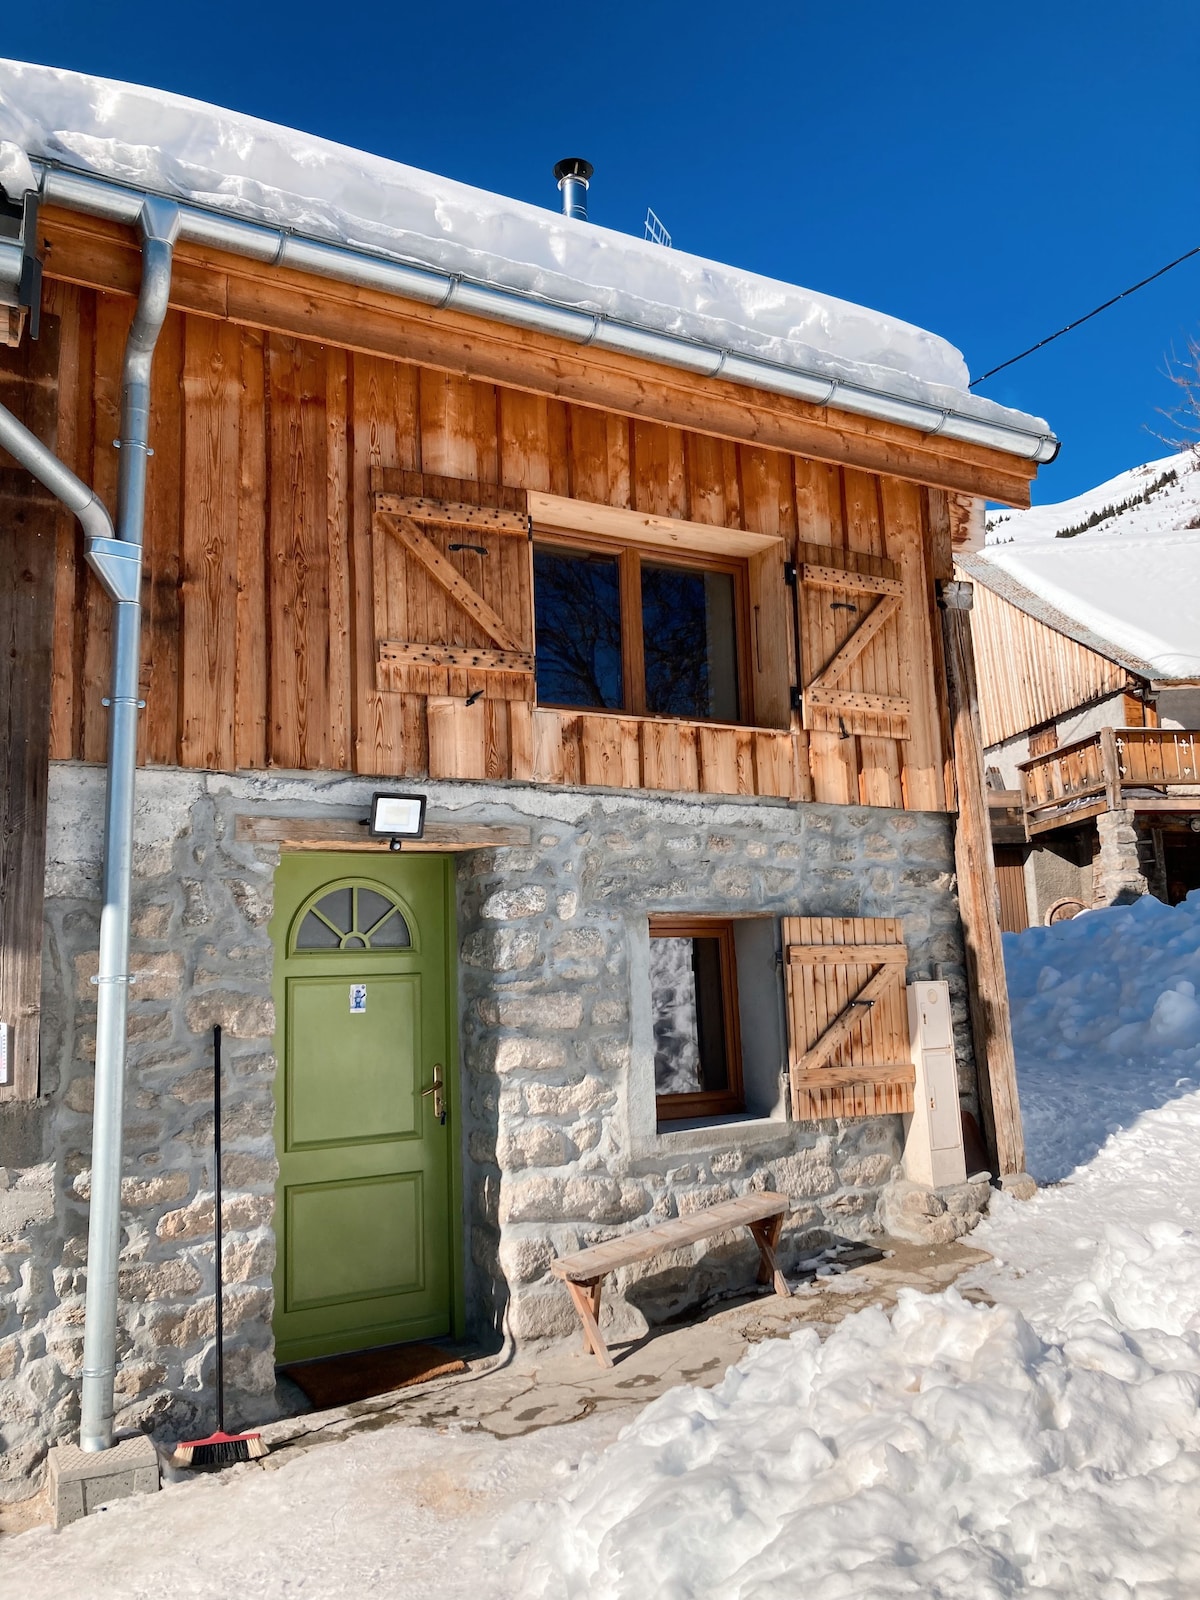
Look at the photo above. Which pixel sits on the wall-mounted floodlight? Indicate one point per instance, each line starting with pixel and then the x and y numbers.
pixel 396 817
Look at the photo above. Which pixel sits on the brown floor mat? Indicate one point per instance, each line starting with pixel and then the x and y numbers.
pixel 340 1380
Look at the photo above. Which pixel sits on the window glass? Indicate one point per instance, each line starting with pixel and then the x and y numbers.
pixel 577 611
pixel 689 1016
pixel 689 642
pixel 354 917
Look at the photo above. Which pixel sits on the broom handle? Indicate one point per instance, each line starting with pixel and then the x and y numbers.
pixel 220 1309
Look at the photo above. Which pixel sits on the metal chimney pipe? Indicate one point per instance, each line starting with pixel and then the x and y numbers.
pixel 573 175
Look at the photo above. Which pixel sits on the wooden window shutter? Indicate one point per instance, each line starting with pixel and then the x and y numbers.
pixel 853 645
pixel 453 582
pixel 770 639
pixel 848 1043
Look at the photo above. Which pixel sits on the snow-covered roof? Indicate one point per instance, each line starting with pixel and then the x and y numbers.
pixel 260 172
pixel 1128 586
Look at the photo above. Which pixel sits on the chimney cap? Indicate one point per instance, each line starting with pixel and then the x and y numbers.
pixel 573 167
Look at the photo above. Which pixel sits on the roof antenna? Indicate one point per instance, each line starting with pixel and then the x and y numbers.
pixel 573 174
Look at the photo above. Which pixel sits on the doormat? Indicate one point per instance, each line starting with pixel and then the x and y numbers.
pixel 341 1380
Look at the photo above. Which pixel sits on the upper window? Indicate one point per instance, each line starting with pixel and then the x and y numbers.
pixel 354 917
pixel 697 1038
pixel 633 632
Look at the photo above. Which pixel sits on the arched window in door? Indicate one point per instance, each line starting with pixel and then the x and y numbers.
pixel 353 917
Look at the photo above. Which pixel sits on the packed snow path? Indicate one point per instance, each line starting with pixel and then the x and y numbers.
pixel 1047 1445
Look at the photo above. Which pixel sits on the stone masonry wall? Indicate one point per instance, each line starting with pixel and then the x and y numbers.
pixel 553 1070
pixel 548 943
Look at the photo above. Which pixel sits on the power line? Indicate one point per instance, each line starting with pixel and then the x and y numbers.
pixel 1050 338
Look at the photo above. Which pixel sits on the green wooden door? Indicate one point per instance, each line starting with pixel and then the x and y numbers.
pixel 363 1208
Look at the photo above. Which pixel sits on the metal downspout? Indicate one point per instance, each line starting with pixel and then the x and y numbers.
pixel 119 566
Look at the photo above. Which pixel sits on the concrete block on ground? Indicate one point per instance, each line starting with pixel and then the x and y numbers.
pixel 81 1481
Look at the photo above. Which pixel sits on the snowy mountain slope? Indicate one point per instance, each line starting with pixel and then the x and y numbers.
pixel 1160 497
pixel 1133 576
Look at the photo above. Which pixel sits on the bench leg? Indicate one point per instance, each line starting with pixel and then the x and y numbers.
pixel 586 1299
pixel 766 1237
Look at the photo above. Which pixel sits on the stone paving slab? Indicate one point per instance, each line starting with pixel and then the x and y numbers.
pixel 563 1383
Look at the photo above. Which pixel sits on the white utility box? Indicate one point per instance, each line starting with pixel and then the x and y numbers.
pixel 933 1140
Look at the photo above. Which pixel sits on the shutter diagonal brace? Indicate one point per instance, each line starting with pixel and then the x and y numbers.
pixel 448 576
pixel 851 1015
pixel 876 619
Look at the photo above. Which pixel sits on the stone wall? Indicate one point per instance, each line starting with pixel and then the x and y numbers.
pixel 560 1145
pixel 200 955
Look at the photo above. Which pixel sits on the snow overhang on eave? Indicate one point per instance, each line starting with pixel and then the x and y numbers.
pixel 392 273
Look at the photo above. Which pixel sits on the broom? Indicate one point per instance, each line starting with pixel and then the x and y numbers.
pixel 220 1449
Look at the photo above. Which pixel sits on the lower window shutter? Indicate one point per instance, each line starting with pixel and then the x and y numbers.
pixel 854 668
pixel 848 1041
pixel 453 587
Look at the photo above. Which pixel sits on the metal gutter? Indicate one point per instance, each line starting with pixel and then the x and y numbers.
pixel 411 281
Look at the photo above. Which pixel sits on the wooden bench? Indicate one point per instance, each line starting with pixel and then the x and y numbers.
pixel 584 1273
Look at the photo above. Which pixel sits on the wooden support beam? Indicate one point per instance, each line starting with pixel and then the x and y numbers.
pixel 29 522
pixel 979 899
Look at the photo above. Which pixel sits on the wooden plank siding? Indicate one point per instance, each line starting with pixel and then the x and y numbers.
pixel 1029 673
pixel 270 596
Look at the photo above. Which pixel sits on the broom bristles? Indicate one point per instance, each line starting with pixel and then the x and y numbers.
pixel 220 1450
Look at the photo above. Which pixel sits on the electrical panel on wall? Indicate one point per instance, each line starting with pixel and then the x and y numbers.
pixel 933 1143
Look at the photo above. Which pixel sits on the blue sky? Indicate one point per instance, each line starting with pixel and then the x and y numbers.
pixel 987 171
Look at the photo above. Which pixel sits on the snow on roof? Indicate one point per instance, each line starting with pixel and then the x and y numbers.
pixel 256 170
pixel 1130 581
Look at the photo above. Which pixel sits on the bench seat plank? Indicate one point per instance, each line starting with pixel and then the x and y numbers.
pixel 585 1266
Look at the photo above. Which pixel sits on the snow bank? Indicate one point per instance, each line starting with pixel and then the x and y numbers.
pixel 946 1450
pixel 265 173
pixel 1106 1023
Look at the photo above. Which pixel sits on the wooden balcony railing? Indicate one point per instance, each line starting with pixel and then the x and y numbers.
pixel 1144 769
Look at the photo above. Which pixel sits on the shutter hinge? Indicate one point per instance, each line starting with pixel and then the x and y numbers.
pixel 791 574
pixel 797 695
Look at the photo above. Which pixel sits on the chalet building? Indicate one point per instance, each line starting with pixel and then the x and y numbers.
pixel 637 570
pixel 1092 751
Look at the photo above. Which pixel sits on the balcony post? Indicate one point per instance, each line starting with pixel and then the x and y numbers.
pixel 1110 767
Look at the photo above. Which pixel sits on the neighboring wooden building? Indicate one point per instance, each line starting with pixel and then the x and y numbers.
pixel 663 651
pixel 1093 757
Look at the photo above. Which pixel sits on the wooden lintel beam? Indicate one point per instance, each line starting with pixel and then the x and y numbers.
pixel 308 833
pixel 93 253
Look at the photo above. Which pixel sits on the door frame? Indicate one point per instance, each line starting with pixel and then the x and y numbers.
pixel 346 864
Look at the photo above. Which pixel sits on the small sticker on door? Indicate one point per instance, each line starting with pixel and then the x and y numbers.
pixel 358 997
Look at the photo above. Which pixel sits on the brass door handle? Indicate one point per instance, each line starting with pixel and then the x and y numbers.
pixel 436 1089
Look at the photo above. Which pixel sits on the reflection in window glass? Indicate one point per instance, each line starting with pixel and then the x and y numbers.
pixel 689 1020
pixel 577 604
pixel 690 643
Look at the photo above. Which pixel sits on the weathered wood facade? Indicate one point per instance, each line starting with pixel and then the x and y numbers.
pixel 271 594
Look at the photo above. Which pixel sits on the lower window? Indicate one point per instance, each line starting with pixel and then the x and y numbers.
pixel 697 1034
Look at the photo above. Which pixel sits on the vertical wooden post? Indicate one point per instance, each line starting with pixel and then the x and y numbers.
pixel 29 518
pixel 978 898
pixel 1110 766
